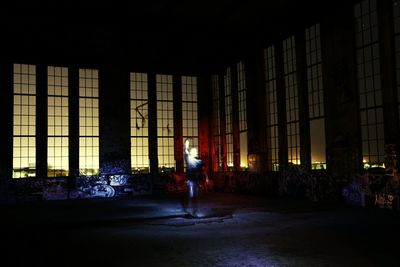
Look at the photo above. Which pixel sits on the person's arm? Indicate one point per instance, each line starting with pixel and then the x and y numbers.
pixel 186 147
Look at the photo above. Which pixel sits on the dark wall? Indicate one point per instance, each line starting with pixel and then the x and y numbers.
pixel 6 118
pixel 341 95
pixel 114 119
pixel 205 112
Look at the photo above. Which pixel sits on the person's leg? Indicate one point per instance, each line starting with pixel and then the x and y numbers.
pixel 184 201
pixel 195 199
pixel 190 195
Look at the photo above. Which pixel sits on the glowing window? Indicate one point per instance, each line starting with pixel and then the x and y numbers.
pixel 272 108
pixel 228 117
pixel 57 150
pixel 242 113
pixel 24 134
pixel 139 123
pixel 88 122
pixel 315 97
pixel 369 83
pixel 165 121
pixel 189 110
pixel 216 134
pixel 292 100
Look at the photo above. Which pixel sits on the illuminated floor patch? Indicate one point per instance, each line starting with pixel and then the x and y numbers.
pixel 188 220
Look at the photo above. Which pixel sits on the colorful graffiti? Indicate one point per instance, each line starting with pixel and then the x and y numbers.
pixel 376 186
pixel 354 193
pixel 111 167
pixel 104 186
pixel 99 190
pixel 388 201
pixel 91 187
pixel 298 182
pixel 118 179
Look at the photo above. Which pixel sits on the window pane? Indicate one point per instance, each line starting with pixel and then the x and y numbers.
pixel 88 119
pixel 57 149
pixel 139 123
pixel 24 121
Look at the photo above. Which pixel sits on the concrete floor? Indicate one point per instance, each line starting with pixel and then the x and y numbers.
pixel 235 230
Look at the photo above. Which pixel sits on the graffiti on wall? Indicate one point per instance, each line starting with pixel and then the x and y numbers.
pixel 390 160
pixel 103 186
pixel 388 201
pixel 376 186
pixel 244 182
pixel 391 170
pixel 298 182
pixel 91 187
pixel 115 167
pixel 355 192
pixel 118 179
pixel 55 188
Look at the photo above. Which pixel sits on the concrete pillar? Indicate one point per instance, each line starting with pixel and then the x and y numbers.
pixel 388 74
pixel 178 134
pixel 235 118
pixel 114 112
pixel 256 113
pixel 216 142
pixel 302 87
pixel 73 81
pixel 153 155
pixel 6 120
pixel 223 121
pixel 205 117
pixel 281 94
pixel 341 96
pixel 41 121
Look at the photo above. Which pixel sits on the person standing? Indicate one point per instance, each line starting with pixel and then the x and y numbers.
pixel 193 175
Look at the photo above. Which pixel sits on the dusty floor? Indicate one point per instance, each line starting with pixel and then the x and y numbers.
pixel 235 230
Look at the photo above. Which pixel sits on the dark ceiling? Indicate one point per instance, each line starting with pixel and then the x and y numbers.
pixel 180 35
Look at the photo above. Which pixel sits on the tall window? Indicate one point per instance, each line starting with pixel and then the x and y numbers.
pixel 88 122
pixel 189 110
pixel 315 97
pixel 216 134
pixel 242 114
pixel 57 150
pixel 139 123
pixel 228 117
pixel 24 134
pixel 369 83
pixel 165 121
pixel 292 100
pixel 272 108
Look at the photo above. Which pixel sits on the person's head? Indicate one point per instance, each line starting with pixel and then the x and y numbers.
pixel 186 143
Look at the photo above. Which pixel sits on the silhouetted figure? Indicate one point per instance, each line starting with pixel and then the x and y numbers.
pixel 194 174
